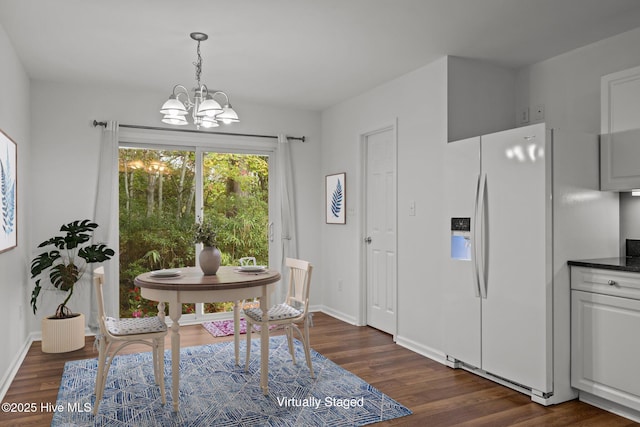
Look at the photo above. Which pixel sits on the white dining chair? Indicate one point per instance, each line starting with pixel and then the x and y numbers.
pixel 247 260
pixel 293 311
pixel 123 332
pixel 244 304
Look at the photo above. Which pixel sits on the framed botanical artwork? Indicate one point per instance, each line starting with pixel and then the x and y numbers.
pixel 335 188
pixel 8 193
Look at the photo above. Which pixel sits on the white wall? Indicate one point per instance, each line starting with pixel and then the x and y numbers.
pixel 480 98
pixel 418 102
pixel 568 86
pixel 14 264
pixel 65 158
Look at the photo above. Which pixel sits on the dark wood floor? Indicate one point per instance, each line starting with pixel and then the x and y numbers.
pixel 437 395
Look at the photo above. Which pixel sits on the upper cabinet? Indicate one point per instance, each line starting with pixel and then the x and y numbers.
pixel 620 129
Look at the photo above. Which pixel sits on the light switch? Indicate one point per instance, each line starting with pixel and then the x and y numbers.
pixel 523 116
pixel 412 208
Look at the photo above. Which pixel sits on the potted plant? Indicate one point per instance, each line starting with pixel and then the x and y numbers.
pixel 209 259
pixel 63 265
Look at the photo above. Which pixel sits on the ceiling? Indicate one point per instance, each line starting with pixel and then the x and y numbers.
pixel 307 54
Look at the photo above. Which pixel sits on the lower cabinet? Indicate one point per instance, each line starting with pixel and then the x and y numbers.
pixel 605 346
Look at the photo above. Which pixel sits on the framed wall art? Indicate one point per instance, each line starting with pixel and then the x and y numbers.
pixel 8 193
pixel 335 188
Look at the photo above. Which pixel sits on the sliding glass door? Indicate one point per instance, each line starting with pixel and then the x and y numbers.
pixel 164 189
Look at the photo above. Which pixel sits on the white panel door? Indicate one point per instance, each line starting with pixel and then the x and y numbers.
pixel 381 227
pixel 460 288
pixel 516 313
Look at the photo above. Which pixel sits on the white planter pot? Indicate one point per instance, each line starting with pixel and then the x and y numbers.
pixel 62 335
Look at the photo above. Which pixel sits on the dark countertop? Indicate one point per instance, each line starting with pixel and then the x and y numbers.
pixel 623 264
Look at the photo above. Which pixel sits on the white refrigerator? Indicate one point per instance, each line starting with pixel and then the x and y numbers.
pixel 519 204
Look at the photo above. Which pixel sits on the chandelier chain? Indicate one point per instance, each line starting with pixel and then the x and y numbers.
pixel 198 65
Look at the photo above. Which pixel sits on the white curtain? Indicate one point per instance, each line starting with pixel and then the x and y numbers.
pixel 106 216
pixel 287 207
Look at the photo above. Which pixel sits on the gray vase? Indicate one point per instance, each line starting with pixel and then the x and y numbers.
pixel 209 260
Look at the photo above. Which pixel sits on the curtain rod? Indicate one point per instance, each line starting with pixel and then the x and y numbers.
pixel 104 124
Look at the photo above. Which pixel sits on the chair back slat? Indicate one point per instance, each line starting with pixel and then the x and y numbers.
pixel 299 281
pixel 98 281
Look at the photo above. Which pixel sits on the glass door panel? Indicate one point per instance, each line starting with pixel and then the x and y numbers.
pixel 157 209
pixel 236 198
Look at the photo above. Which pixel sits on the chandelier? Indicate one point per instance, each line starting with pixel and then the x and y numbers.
pixel 205 110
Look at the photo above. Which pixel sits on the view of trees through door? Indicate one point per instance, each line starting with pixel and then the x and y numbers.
pixel 158 206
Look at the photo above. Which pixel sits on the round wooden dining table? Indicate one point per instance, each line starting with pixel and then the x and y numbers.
pixel 192 286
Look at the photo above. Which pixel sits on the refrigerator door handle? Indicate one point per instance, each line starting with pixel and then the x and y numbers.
pixel 480 237
pixel 474 246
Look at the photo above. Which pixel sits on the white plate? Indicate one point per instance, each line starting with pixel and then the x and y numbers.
pixel 253 268
pixel 166 273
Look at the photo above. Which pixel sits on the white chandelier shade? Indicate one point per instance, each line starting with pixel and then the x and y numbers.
pixel 205 110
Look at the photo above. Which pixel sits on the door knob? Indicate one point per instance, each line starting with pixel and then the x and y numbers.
pixel 367 240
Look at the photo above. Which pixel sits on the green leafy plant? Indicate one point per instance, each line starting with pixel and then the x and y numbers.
pixel 204 232
pixel 66 264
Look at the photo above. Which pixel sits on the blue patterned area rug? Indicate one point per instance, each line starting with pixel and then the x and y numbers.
pixel 215 392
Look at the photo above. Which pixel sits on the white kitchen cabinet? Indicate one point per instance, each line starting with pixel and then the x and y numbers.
pixel 620 129
pixel 605 336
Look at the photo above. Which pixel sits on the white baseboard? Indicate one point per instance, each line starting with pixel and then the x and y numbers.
pixel 423 350
pixel 338 315
pixel 315 308
pixel 8 377
pixel 610 406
